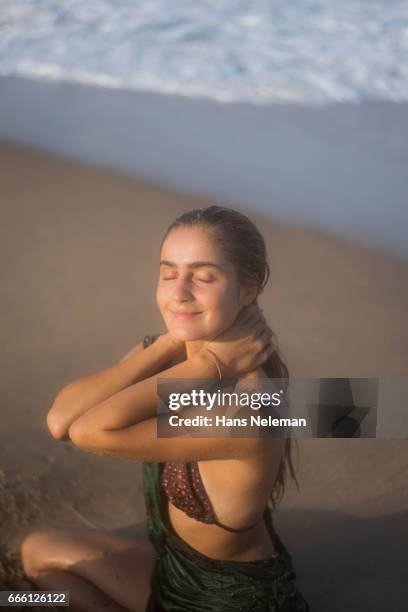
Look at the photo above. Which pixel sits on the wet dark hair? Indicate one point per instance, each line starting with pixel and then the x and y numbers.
pixel 244 247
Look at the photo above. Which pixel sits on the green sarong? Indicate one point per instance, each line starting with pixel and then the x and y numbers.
pixel 185 580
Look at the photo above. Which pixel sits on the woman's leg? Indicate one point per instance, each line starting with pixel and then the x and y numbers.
pixel 100 569
pixel 83 596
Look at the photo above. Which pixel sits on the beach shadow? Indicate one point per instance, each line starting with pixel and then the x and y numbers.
pixel 348 563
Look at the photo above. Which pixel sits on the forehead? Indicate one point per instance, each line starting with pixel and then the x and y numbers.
pixel 186 245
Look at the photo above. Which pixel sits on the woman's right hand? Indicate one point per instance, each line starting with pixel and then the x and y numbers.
pixel 244 346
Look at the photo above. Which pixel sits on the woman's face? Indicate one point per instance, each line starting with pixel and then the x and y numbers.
pixel 198 292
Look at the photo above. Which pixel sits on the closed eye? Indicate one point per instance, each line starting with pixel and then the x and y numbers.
pixel 202 280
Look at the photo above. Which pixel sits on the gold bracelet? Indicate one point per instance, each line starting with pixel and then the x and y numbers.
pixel 216 361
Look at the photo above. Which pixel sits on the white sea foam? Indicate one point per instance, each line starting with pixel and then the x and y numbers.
pixel 303 51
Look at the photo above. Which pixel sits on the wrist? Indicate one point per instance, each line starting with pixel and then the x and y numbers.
pixel 168 345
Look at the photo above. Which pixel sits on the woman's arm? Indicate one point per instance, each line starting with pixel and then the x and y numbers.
pixel 136 349
pixel 80 395
pixel 125 425
pixel 139 401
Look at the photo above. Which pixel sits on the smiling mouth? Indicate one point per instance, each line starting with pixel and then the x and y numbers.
pixel 184 316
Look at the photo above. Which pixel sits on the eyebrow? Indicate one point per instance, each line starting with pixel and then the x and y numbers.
pixel 194 264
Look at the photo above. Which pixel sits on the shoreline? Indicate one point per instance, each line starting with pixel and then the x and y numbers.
pixel 340 168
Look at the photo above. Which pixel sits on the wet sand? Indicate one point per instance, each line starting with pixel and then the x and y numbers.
pixel 80 251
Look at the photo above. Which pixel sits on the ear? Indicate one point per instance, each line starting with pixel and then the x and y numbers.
pixel 248 294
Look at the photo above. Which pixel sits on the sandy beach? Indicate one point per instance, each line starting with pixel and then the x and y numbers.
pixel 80 250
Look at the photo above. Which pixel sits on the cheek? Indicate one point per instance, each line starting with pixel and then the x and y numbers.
pixel 224 307
pixel 162 306
pixel 162 295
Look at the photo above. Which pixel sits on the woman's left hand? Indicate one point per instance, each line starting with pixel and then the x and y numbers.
pixel 244 346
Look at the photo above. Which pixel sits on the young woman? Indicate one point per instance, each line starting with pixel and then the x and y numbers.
pixel 211 544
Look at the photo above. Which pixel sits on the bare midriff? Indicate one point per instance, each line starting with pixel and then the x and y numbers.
pixel 218 543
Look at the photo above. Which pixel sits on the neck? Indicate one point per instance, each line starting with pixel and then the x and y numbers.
pixel 193 347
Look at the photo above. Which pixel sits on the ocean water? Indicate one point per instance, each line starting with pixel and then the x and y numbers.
pixel 257 51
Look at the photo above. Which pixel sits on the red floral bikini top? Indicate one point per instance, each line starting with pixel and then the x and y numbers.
pixel 184 487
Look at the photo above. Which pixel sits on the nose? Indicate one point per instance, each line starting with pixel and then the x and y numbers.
pixel 182 290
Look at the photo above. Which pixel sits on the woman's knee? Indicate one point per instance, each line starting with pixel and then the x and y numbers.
pixel 47 548
pixel 84 551
pixel 119 566
pixel 32 550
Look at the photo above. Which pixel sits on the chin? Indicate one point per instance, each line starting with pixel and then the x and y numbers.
pixel 187 335
pixel 190 331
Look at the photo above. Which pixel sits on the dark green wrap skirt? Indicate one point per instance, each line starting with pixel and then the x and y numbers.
pixel 185 580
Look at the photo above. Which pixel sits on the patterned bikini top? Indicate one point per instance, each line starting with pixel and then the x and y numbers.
pixel 184 487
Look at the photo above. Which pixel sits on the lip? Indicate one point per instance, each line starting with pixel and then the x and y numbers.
pixel 182 315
